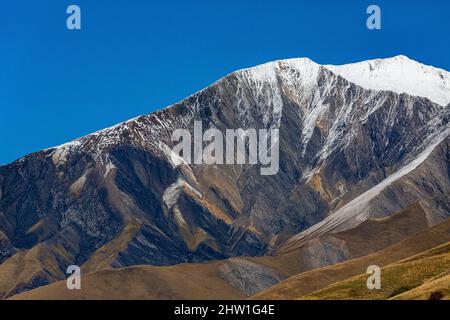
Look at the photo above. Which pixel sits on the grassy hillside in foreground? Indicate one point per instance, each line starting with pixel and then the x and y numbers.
pixel 438 288
pixel 185 281
pixel 298 286
pixel 428 270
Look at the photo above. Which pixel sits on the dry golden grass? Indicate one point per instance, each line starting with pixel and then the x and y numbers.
pixel 27 265
pixel 102 258
pixel 186 281
pixel 396 279
pixel 305 283
pixel 436 288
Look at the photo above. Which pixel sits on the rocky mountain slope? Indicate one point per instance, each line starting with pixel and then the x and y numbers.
pixel 403 234
pixel 348 152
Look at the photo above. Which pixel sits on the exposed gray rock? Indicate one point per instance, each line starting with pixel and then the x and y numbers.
pixel 6 248
pixel 324 252
pixel 247 276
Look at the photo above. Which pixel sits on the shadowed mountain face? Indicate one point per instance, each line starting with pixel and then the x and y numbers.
pixel 116 198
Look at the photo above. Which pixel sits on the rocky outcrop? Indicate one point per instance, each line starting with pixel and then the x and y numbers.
pixel 249 277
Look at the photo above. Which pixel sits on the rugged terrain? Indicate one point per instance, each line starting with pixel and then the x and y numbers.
pixel 213 281
pixel 364 165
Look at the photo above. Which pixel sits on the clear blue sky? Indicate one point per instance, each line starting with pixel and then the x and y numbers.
pixel 135 56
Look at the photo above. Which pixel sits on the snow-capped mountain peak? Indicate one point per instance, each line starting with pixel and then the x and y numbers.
pixel 399 74
pixel 268 83
pixel 346 154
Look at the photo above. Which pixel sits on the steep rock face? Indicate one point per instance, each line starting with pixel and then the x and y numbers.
pixel 116 198
pixel 6 248
pixel 425 180
pixel 247 276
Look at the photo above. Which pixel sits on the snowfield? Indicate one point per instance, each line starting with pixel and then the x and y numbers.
pixel 401 75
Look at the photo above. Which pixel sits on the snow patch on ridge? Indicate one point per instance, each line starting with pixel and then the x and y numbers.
pixel 59 155
pixel 172 193
pixel 267 80
pixel 399 74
